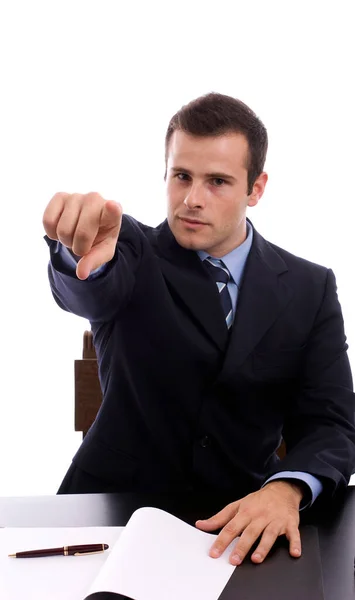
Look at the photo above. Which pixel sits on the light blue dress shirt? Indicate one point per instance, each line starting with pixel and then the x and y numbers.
pixel 235 263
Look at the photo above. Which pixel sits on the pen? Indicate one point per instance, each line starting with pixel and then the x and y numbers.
pixel 63 551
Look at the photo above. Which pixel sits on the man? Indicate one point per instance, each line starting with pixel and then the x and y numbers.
pixel 212 343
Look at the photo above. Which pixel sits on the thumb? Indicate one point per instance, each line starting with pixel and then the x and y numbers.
pixel 99 255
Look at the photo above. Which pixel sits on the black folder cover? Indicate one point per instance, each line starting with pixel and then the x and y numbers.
pixel 279 577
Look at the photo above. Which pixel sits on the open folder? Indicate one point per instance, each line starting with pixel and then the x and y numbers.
pixel 155 557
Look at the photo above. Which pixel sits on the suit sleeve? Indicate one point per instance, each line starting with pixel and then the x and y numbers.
pixel 101 297
pixel 319 429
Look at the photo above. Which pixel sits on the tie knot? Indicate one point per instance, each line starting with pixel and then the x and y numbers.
pixel 217 270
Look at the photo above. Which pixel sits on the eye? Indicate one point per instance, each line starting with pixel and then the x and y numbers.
pixel 219 181
pixel 181 176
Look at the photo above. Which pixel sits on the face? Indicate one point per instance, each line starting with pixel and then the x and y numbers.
pixel 207 191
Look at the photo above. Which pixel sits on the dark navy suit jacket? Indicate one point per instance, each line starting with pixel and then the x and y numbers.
pixel 187 405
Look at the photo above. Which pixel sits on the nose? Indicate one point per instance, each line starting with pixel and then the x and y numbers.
pixel 195 198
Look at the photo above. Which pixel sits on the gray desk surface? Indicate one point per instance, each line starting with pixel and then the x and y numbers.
pixel 335 523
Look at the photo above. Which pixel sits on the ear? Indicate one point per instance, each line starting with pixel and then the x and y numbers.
pixel 258 189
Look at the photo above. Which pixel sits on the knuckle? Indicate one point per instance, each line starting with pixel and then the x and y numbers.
pixel 64 235
pixel 273 530
pixel 292 522
pixel 74 200
pixel 60 196
pixel 230 528
pixel 93 198
pixel 294 532
pixel 53 211
pixel 245 510
pixel 49 223
pixel 241 550
pixel 62 231
pixel 263 547
pixel 253 530
pixel 264 513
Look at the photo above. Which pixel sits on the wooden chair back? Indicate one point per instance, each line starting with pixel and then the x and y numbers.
pixel 88 395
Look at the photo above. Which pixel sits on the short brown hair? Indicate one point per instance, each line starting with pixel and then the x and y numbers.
pixel 216 114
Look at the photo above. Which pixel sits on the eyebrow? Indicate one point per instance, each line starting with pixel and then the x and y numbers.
pixel 217 175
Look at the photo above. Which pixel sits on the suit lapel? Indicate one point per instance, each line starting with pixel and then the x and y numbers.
pixel 190 283
pixel 262 297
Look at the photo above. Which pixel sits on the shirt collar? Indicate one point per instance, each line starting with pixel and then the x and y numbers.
pixel 236 259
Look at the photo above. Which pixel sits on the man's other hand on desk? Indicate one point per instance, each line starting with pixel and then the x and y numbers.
pixel 269 513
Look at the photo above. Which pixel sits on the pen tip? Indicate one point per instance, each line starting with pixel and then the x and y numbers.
pixel 12 555
pixel 106 546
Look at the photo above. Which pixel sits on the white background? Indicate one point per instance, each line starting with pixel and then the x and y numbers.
pixel 87 90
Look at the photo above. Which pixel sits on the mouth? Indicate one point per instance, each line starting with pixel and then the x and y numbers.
pixel 192 222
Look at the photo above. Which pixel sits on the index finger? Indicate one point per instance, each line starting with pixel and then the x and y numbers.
pixel 53 213
pixel 232 530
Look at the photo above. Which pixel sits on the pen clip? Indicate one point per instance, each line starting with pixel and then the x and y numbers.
pixel 86 553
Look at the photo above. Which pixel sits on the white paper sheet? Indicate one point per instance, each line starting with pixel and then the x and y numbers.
pixel 160 557
pixel 51 578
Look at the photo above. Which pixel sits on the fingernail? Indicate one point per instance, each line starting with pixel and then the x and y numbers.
pixel 256 556
pixel 236 560
pixel 215 552
pixel 297 551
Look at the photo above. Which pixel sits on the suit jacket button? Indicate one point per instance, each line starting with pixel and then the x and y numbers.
pixel 205 441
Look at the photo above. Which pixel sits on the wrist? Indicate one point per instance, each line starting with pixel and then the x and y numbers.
pixel 297 489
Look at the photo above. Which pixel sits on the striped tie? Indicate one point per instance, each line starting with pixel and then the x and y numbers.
pixel 220 275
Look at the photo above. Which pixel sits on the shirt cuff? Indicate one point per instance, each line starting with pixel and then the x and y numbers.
pixel 97 272
pixel 314 485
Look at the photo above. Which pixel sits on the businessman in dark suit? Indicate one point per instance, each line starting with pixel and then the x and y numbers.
pixel 213 344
